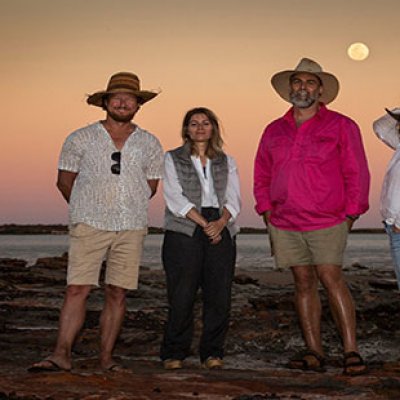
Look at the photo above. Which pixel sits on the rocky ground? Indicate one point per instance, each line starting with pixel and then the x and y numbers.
pixel 263 334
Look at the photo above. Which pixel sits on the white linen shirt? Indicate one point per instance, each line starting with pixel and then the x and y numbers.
pixel 386 130
pixel 99 198
pixel 180 205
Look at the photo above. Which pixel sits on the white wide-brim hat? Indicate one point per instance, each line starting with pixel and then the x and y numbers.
pixel 281 80
pixel 387 127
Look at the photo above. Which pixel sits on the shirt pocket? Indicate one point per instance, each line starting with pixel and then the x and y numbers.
pixel 279 148
pixel 323 147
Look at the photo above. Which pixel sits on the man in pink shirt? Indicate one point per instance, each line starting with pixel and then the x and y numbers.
pixel 311 183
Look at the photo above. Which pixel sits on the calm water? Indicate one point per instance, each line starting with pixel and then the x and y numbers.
pixel 370 250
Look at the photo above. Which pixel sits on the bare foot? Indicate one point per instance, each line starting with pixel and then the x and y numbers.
pixel 116 368
pixel 109 364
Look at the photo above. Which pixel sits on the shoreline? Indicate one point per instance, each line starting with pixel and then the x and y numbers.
pixel 61 229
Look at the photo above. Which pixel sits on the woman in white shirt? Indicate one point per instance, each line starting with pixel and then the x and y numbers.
pixel 387 129
pixel 202 195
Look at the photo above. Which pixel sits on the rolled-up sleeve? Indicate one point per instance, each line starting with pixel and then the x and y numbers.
pixel 71 154
pixel 176 202
pixel 233 201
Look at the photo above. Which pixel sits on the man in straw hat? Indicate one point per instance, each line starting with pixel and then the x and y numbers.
pixel 108 171
pixel 311 183
pixel 387 128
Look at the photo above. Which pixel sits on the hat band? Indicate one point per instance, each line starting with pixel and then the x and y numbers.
pixel 123 86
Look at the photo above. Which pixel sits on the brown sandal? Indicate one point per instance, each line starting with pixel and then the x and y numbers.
pixel 358 362
pixel 300 361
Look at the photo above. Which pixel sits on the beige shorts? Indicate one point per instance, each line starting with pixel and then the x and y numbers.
pixel 90 246
pixel 319 247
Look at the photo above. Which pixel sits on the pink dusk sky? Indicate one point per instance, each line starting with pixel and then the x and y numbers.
pixel 218 54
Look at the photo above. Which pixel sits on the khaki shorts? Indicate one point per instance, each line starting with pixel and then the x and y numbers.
pixel 319 247
pixel 90 246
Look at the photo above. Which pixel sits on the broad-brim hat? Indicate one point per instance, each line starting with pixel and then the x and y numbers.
pixel 387 127
pixel 393 114
pixel 122 82
pixel 281 80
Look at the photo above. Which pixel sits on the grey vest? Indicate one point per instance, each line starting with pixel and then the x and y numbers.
pixel 191 188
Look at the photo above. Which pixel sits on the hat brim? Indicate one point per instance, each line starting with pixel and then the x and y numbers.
pixel 386 127
pixel 96 99
pixel 281 83
pixel 395 116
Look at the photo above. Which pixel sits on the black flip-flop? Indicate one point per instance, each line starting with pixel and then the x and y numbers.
pixel 51 367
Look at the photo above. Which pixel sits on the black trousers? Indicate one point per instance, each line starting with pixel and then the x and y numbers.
pixel 191 263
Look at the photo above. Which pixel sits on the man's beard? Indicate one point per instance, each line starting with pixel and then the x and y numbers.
pixel 121 118
pixel 303 99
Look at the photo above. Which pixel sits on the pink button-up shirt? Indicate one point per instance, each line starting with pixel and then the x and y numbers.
pixel 310 177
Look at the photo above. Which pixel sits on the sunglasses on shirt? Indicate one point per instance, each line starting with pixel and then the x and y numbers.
pixel 116 168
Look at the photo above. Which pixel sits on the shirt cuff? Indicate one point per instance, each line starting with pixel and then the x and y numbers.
pixel 185 210
pixel 389 221
pixel 396 222
pixel 232 211
pixel 392 222
pixel 262 208
pixel 68 168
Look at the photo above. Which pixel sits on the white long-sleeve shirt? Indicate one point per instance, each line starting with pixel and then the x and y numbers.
pixel 180 205
pixel 386 128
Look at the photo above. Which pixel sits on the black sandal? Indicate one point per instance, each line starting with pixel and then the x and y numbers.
pixel 359 362
pixel 300 361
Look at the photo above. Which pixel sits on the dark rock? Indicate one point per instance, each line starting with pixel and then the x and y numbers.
pixel 53 262
pixel 383 283
pixel 358 266
pixel 263 334
pixel 242 279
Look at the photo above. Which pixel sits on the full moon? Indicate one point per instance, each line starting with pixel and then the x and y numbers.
pixel 358 51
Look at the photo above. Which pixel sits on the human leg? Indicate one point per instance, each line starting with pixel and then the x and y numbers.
pixel 72 317
pixel 87 249
pixel 216 284
pixel 121 274
pixel 182 260
pixel 111 320
pixel 308 306
pixel 342 306
pixel 291 251
pixel 327 247
pixel 341 303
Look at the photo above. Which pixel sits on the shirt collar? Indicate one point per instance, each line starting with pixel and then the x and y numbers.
pixel 288 116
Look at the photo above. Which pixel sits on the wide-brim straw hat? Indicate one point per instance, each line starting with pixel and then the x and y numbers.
pixel 122 82
pixel 281 80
